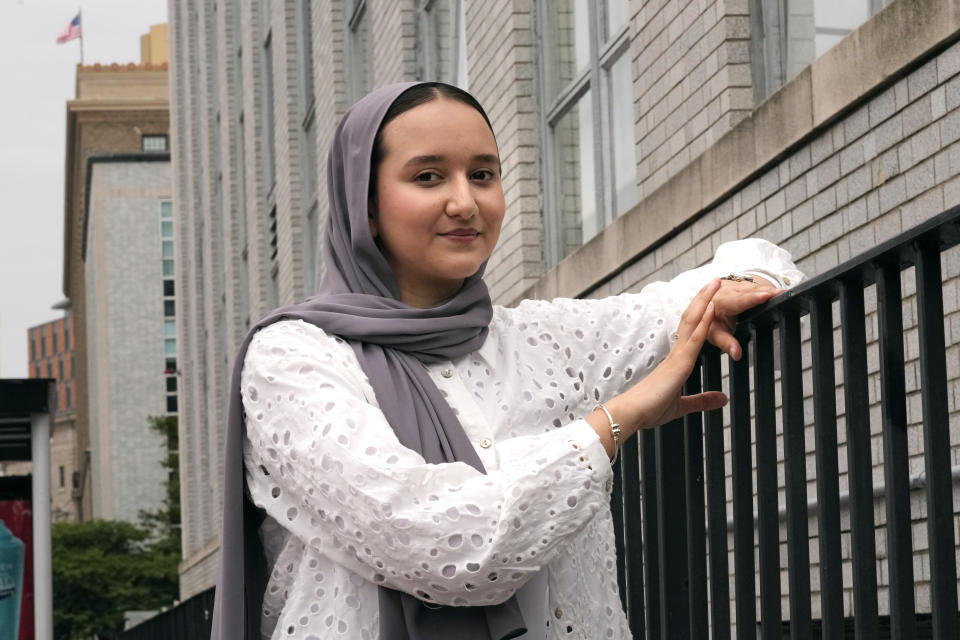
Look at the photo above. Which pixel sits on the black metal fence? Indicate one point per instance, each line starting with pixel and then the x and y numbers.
pixel 189 620
pixel 671 503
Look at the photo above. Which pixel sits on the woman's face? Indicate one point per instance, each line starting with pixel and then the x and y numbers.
pixel 439 198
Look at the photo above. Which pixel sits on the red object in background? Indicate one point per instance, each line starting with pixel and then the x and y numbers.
pixel 17 515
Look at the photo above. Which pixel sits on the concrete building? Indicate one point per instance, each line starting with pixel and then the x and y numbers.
pixel 131 348
pixel 118 109
pixel 50 353
pixel 636 136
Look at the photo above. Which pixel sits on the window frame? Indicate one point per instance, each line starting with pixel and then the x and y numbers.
pixel 429 62
pixel 356 12
pixel 309 200
pixel 769 50
pixel 557 102
pixel 146 138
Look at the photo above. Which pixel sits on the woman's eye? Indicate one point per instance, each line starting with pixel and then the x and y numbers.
pixel 427 176
pixel 483 174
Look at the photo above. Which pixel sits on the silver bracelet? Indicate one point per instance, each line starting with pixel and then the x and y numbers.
pixel 614 431
pixel 738 277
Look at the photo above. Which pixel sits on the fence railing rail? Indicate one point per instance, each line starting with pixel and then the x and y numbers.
pixel 671 507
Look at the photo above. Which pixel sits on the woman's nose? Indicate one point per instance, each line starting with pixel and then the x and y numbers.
pixel 460 201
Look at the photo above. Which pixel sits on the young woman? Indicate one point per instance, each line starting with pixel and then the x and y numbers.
pixel 418 463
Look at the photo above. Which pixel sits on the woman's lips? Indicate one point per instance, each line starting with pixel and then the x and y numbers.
pixel 461 235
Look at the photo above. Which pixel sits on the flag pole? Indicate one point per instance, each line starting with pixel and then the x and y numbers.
pixel 80 16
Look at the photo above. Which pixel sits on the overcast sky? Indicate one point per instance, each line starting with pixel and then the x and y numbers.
pixel 37 77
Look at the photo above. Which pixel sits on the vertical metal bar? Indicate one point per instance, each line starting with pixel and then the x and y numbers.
pixel 633 539
pixel 768 521
pixel 936 442
pixel 671 519
pixel 40 486
pixel 857 402
pixel 795 476
pixel 696 526
pixel 651 547
pixel 716 506
pixel 742 469
pixel 896 470
pixel 828 487
pixel 617 511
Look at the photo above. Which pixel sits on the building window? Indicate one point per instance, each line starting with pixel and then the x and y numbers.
pixel 53 337
pixel 169 300
pixel 308 148
pixel 441 41
pixel 359 52
pixel 66 334
pixel 33 347
pixel 60 368
pixel 586 83
pixel 787 35
pixel 43 343
pixel 266 107
pixel 153 142
pixel 63 478
pixel 69 399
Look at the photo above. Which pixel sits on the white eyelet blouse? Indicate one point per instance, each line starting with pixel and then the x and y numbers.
pixel 349 508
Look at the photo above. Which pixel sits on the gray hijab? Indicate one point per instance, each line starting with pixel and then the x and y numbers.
pixel 359 301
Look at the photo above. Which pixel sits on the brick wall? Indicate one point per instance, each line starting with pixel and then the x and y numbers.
pixel 502 80
pixel 691 80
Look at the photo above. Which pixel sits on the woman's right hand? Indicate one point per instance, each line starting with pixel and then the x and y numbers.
pixel 657 399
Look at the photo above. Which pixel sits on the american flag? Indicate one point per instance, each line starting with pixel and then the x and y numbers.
pixel 72 31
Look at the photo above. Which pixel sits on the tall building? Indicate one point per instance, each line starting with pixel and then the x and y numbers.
pixel 635 136
pixel 50 355
pixel 117 176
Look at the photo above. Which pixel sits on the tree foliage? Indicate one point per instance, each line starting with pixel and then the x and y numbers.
pixel 103 568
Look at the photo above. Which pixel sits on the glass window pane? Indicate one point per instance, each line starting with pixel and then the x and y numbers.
pixel 170 347
pixel 436 48
pixel 576 203
pixel 463 74
pixel 618 15
pixel 168 287
pixel 621 124
pixel 834 20
pixel 170 328
pixel 166 210
pixel 171 383
pixel 168 268
pixel 360 50
pixel 166 229
pixel 168 248
pixel 169 308
pixel 171 404
pixel 570 47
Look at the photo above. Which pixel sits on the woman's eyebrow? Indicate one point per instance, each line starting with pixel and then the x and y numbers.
pixel 436 158
pixel 427 159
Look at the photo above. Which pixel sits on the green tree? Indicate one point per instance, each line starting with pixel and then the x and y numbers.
pixel 164 523
pixel 103 568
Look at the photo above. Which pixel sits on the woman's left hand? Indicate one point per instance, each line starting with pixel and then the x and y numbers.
pixel 733 298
